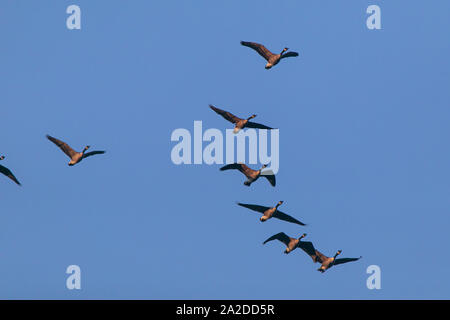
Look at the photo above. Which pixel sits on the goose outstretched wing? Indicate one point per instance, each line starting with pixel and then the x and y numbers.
pixel 269 176
pixel 92 153
pixel 255 125
pixel 308 247
pixel 254 207
pixel 227 115
pixel 238 166
pixel 285 217
pixel 9 174
pixel 283 237
pixel 345 260
pixel 263 51
pixel 63 146
pixel 289 54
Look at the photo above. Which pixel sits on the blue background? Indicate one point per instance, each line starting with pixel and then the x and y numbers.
pixel 363 117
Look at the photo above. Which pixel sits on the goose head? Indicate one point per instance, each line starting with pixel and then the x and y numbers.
pixel 302 236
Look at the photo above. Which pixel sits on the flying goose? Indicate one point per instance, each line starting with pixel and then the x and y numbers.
pixel 8 172
pixel 327 262
pixel 291 243
pixel 269 212
pixel 252 175
pixel 272 59
pixel 75 157
pixel 238 122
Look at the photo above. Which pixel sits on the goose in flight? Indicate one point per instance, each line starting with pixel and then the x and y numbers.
pixel 238 122
pixel 271 212
pixel 75 157
pixel 252 175
pixel 326 262
pixel 272 59
pixel 8 173
pixel 291 243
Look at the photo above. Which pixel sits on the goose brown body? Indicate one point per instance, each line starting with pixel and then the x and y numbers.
pixel 269 212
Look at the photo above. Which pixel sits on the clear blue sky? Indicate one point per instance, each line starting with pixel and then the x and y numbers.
pixel 364 155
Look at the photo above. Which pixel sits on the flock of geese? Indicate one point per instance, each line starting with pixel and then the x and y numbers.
pixel 251 175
